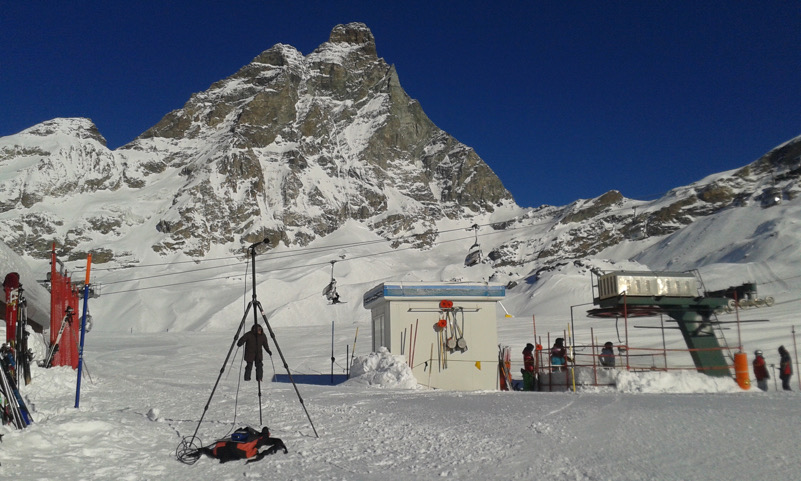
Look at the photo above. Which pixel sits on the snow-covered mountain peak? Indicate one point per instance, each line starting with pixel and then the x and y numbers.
pixel 77 128
pixel 289 148
pixel 55 159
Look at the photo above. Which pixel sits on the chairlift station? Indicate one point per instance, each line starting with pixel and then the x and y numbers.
pixel 447 331
pixel 675 294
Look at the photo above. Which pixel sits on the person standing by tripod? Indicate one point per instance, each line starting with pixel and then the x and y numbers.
pixel 254 341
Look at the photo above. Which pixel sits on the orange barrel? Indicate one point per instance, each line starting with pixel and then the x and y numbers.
pixel 741 370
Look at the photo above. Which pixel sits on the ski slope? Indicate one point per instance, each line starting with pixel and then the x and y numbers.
pixel 147 391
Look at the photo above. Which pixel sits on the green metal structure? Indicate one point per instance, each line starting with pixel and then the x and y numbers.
pixel 694 319
pixel 694 314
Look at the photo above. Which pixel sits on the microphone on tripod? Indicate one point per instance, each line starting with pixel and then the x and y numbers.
pixel 265 241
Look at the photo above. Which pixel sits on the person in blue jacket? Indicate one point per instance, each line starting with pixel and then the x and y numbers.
pixel 607 356
pixel 559 354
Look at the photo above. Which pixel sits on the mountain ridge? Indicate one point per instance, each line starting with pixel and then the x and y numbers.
pixel 292 147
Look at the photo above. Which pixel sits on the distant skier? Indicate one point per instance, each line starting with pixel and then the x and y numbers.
pixel 529 368
pixel 761 370
pixel 254 341
pixel 607 356
pixel 559 356
pixel 330 292
pixel 785 368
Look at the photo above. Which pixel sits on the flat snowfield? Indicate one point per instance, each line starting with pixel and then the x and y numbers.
pixel 148 391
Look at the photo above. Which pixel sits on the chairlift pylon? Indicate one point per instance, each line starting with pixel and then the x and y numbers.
pixel 638 232
pixel 474 254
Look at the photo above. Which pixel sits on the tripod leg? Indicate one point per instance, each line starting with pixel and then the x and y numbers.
pixel 261 423
pixel 286 366
pixel 222 369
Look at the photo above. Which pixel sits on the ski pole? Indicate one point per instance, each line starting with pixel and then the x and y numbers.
pixel 795 349
pixel 83 330
pixel 258 382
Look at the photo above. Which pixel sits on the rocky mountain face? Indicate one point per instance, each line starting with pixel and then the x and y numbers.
pixel 292 147
pixel 289 148
pixel 588 227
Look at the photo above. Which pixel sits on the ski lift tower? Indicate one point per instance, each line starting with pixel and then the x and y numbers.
pixel 675 294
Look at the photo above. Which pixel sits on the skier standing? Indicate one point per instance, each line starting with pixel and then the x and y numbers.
pixel 785 368
pixel 529 368
pixel 761 370
pixel 558 354
pixel 254 341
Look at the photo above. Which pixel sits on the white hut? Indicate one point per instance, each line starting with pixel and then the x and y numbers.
pixel 447 331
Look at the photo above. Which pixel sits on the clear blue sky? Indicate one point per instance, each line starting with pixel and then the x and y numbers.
pixel 563 99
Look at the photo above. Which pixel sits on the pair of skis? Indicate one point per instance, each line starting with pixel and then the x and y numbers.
pixel 23 354
pixel 504 367
pixel 15 411
pixel 54 348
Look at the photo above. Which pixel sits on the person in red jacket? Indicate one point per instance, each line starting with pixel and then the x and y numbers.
pixel 761 370
pixel 529 368
pixel 254 341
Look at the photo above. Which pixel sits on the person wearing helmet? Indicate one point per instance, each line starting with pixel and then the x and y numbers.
pixel 254 341
pixel 761 370
pixel 607 356
pixel 529 368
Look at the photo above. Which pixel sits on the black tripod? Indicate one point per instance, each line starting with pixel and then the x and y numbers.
pixel 254 304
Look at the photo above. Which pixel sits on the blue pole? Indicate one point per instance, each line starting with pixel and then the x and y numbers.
pixel 80 350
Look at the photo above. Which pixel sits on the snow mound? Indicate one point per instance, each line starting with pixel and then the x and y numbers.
pixel 673 382
pixel 382 369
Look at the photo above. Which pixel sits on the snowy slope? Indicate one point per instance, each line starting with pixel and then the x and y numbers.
pixel 147 392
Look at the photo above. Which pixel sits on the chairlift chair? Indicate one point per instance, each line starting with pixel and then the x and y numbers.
pixel 330 291
pixel 474 254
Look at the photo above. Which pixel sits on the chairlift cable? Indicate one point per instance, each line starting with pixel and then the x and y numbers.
pixel 307 250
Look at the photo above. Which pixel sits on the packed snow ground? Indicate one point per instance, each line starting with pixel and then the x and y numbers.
pixel 147 391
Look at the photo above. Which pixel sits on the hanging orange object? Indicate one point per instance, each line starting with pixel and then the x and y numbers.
pixel 741 370
pixel 442 323
pixel 445 304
